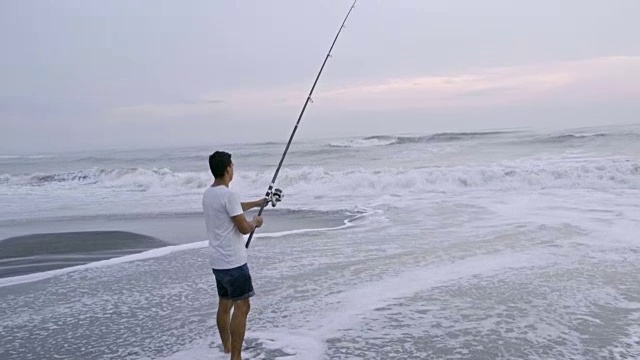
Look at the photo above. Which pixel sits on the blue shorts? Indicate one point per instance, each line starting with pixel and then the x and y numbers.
pixel 234 284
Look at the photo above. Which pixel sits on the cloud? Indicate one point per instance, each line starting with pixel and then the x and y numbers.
pixel 480 89
pixel 593 79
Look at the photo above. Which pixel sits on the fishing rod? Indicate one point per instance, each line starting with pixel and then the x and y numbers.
pixel 275 196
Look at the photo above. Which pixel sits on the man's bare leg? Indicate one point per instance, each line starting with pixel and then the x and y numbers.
pixel 238 325
pixel 224 323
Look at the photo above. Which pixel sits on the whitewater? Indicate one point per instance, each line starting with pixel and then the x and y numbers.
pixel 509 244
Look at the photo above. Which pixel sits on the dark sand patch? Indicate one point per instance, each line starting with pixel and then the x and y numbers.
pixel 27 254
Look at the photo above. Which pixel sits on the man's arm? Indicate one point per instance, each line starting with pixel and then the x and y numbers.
pixel 252 204
pixel 245 226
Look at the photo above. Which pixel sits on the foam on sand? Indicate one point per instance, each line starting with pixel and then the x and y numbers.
pixel 349 308
pixel 258 346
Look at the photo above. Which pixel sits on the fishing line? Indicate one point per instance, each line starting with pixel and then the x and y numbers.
pixel 273 196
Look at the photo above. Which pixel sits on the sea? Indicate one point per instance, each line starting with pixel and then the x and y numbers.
pixel 502 244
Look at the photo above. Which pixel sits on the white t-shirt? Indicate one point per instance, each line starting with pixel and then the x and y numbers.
pixel 226 243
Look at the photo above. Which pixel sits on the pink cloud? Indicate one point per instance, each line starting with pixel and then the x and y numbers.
pixel 592 79
pixel 595 79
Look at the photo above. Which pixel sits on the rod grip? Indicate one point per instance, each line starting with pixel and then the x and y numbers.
pixel 264 203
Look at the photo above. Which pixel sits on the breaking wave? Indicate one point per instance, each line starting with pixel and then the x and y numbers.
pixel 129 178
pixel 600 174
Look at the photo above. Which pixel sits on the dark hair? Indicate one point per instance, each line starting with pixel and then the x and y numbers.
pixel 219 161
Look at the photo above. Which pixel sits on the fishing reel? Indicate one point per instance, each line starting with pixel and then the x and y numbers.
pixel 274 197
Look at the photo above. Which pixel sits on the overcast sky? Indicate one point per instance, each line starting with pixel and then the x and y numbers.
pixel 111 74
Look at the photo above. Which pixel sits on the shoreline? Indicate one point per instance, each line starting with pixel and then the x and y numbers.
pixel 109 254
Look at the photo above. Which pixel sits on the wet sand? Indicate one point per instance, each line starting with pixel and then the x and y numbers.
pixel 28 254
pixel 42 245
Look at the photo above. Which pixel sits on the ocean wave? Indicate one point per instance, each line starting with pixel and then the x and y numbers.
pixel 385 140
pixel 600 173
pixel 30 157
pixel 365 142
pixel 130 178
pixel 450 137
pixel 581 138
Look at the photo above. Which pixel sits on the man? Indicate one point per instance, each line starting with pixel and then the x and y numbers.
pixel 226 223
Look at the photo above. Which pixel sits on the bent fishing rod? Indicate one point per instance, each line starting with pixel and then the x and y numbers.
pixel 275 196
